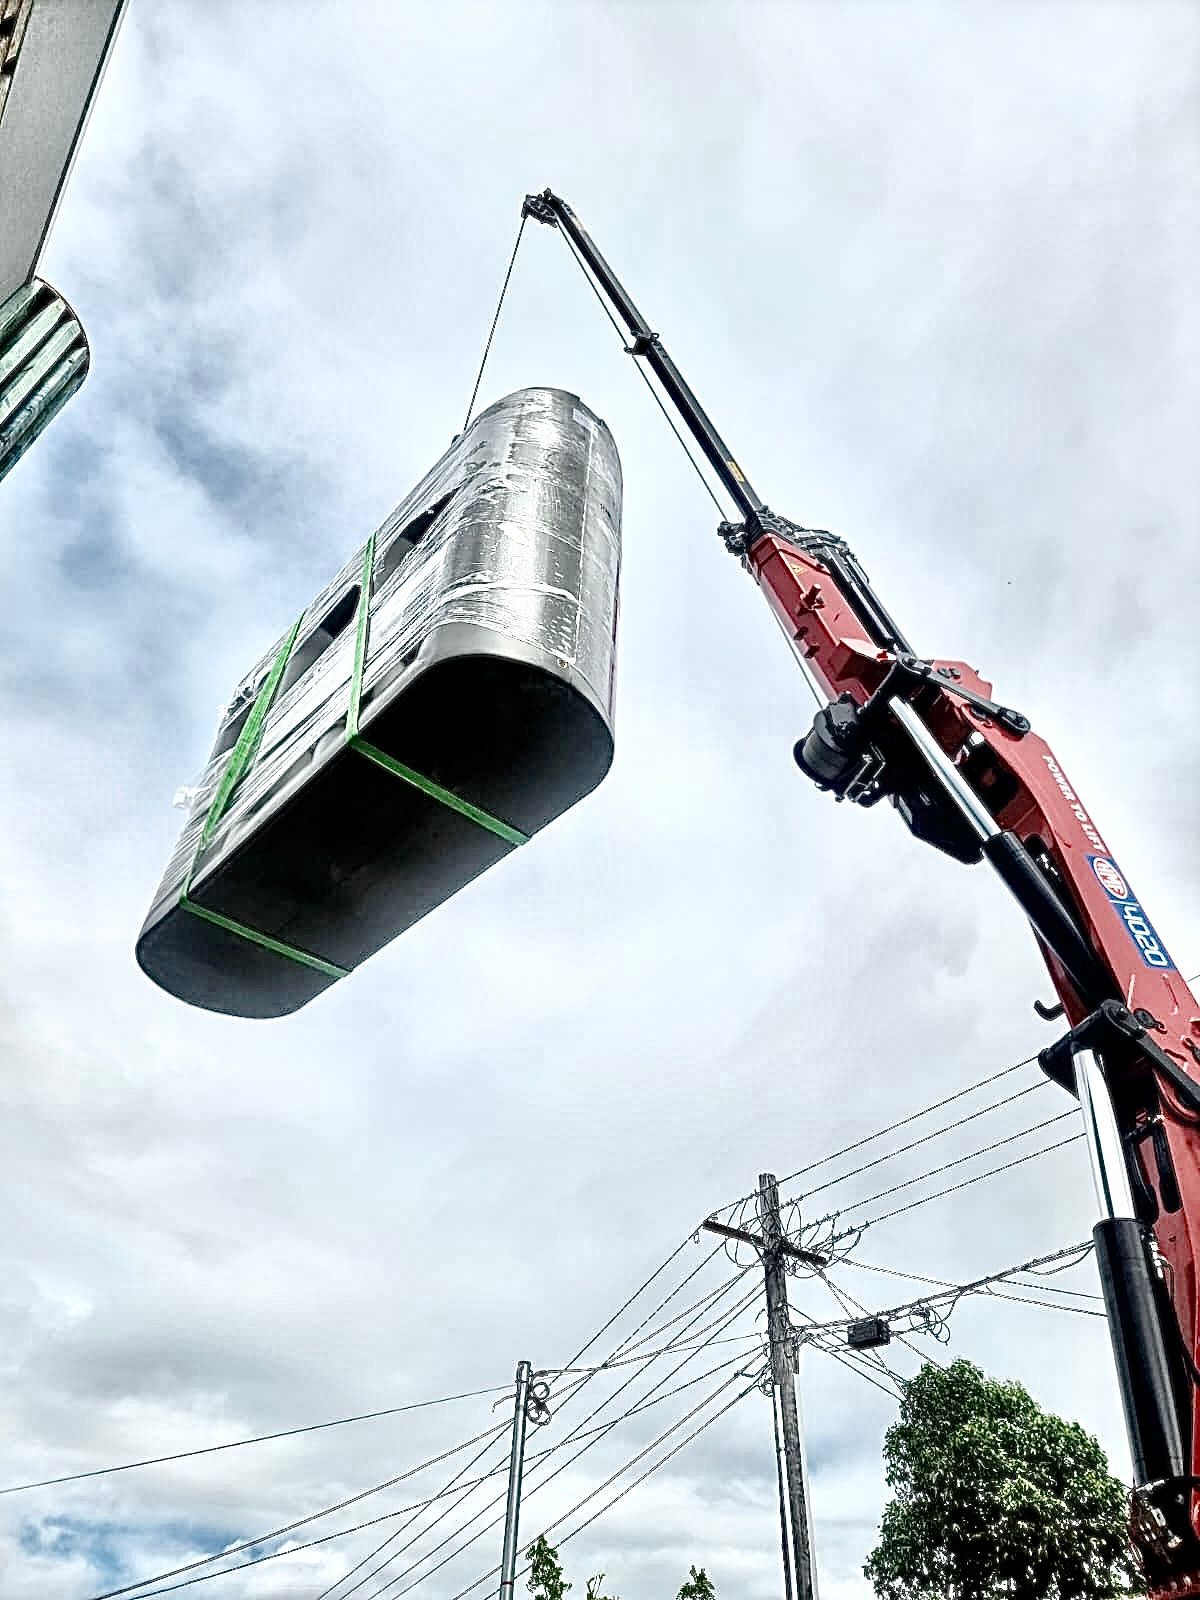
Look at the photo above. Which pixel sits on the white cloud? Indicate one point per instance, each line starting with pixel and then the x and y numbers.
pixel 931 271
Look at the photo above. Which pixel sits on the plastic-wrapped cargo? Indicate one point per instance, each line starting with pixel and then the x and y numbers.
pixel 447 695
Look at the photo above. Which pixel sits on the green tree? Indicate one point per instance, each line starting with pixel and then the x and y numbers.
pixel 698 1586
pixel 593 1589
pixel 546 1581
pixel 992 1496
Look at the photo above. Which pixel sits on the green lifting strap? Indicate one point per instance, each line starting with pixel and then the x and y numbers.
pixel 241 758
pixel 356 741
pixel 245 752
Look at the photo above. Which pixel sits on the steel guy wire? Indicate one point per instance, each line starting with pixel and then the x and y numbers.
pixel 561 1444
pixel 276 1533
pixel 261 1438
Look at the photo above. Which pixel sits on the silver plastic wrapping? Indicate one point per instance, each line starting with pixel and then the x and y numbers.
pixel 517 534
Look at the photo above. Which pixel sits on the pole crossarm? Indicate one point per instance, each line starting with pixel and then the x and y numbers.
pixel 810 1258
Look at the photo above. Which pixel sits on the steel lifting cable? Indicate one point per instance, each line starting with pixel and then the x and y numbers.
pixel 487 349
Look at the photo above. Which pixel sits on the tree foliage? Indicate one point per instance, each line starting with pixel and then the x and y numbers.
pixel 994 1497
pixel 546 1581
pixel 698 1586
pixel 593 1589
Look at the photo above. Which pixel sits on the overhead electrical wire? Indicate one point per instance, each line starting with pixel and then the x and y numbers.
pixel 261 1438
pixel 699 1307
pixel 915 1144
pixel 599 1489
pixel 947 1166
pixel 979 1177
pixel 463 1493
pixel 573 1435
pixel 946 1283
pixel 674 1451
pixel 954 1292
pixel 144 1593
pixel 892 1127
pixel 313 1516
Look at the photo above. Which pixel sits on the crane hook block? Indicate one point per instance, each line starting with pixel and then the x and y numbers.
pixel 445 697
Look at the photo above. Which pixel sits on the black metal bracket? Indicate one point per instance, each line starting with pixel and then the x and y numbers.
pixel 739 536
pixel 539 208
pixel 1114 1024
pixel 642 344
pixel 1014 721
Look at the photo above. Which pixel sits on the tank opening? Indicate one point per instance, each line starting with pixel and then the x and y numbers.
pixel 309 652
pixel 409 537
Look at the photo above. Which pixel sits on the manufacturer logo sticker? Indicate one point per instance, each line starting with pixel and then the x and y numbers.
pixel 1110 878
pixel 1137 924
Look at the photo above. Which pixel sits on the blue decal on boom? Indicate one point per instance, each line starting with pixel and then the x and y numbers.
pixel 1137 924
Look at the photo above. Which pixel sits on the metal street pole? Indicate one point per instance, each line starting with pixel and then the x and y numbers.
pixel 516 1463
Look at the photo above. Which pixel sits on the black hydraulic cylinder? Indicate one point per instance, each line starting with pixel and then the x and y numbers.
pixel 1054 924
pixel 1143 1372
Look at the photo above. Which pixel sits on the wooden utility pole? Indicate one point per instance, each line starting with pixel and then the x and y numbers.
pixel 774 1249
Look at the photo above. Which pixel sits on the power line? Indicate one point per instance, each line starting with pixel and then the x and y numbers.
pixel 567 1537
pixel 904 1149
pixel 892 1127
pixel 276 1533
pixel 575 1433
pixel 463 1494
pixel 261 1438
pixel 599 1489
pixel 980 1177
pixel 388 1516
pixel 957 1161
pixel 946 1283
pixel 953 1293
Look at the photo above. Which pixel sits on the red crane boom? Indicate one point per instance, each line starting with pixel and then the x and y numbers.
pixel 969 776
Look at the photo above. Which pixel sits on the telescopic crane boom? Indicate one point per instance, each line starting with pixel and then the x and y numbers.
pixel 969 776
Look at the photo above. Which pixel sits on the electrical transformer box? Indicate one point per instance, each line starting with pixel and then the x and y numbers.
pixel 447 695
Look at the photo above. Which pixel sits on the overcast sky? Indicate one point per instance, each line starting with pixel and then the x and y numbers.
pixel 932 270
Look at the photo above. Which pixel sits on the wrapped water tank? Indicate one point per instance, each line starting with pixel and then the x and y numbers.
pixel 447 695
